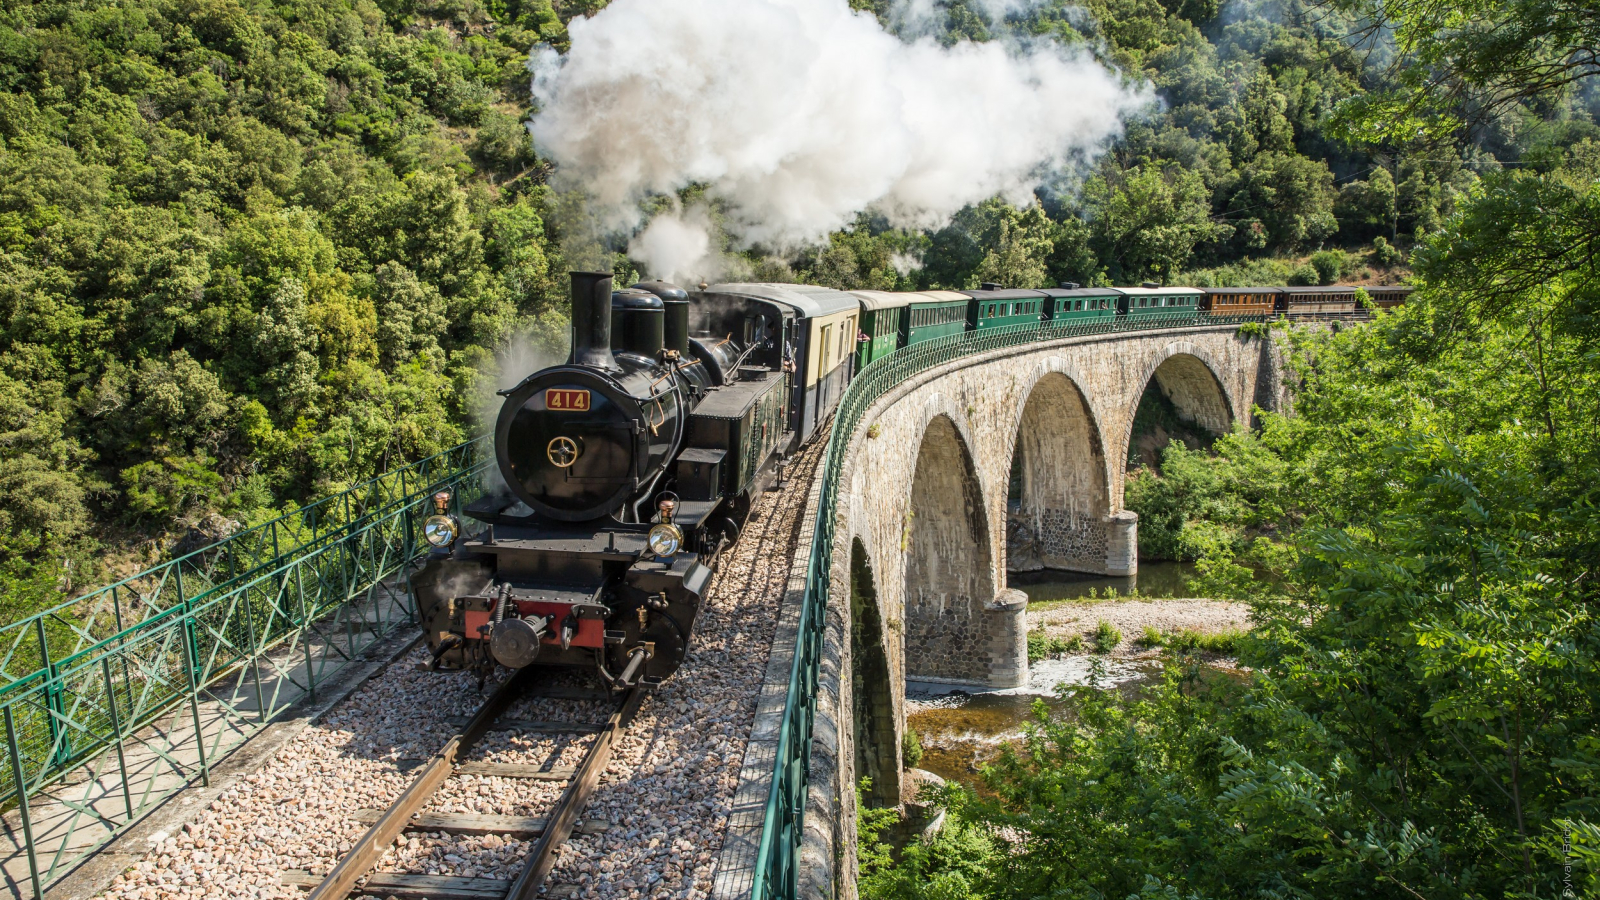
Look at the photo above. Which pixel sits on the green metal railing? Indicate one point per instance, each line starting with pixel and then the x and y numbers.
pixel 140 685
pixel 777 856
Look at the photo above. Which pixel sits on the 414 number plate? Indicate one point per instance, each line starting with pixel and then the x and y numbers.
pixel 566 400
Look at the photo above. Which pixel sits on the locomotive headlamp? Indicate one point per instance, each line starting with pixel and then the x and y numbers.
pixel 439 530
pixel 665 541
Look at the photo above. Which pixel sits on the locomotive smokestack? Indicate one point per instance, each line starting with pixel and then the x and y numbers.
pixel 591 320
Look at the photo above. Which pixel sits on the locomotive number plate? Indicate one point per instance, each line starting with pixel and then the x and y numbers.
pixel 559 400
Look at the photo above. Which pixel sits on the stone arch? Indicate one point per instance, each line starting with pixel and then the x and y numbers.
pixel 1183 374
pixel 877 748
pixel 954 630
pixel 1064 496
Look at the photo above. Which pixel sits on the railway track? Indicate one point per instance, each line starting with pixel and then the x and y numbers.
pixel 652 829
pixel 550 831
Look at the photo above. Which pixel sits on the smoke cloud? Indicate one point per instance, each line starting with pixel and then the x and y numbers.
pixel 677 246
pixel 523 353
pixel 798 114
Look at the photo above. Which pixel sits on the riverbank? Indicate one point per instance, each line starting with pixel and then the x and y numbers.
pixel 1133 618
pixel 960 730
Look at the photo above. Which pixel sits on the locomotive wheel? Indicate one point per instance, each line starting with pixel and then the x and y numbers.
pixel 719 536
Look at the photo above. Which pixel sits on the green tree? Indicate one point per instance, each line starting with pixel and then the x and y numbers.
pixel 247 253
pixel 1147 222
pixel 1289 196
pixel 1464 64
pixel 1019 245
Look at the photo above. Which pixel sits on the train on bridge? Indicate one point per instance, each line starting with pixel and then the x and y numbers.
pixel 625 471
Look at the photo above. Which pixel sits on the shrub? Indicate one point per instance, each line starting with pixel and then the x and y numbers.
pixel 1187 639
pixel 1045 646
pixel 1304 276
pixel 1330 265
pixel 164 488
pixel 911 748
pixel 1105 637
pixel 1386 254
pixel 1150 637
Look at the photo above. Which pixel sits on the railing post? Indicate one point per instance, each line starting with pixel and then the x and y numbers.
pixel 408 554
pixel 255 652
pixel 21 782
pixel 116 726
pixel 55 709
pixel 190 654
pixel 305 633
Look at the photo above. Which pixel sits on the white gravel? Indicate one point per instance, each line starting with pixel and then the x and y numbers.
pixel 667 791
pixel 1131 617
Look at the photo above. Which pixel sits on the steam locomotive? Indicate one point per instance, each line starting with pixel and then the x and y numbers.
pixel 626 470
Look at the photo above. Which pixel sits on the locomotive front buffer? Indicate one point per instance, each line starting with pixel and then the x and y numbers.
pixel 526 591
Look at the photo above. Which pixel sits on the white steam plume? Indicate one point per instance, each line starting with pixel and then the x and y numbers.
pixel 676 246
pixel 798 114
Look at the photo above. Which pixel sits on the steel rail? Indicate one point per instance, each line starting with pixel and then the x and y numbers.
pixel 558 826
pixel 370 848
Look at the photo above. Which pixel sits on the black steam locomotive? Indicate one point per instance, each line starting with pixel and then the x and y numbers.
pixel 627 470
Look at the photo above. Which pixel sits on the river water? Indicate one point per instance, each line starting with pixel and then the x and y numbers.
pixel 1160 579
pixel 962 729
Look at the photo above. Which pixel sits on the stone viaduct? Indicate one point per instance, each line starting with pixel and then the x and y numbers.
pixel 924 532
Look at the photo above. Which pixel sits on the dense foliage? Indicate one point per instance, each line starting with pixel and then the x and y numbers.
pixel 1419 544
pixel 251 252
pixel 1241 175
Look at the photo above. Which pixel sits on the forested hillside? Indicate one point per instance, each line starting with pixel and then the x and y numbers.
pixel 250 253
pixel 1241 175
pixel 253 252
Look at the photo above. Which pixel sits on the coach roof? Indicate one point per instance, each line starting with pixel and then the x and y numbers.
pixel 808 300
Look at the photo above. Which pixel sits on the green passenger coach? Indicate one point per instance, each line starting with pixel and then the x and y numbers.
pixel 995 307
pixel 933 314
pixel 1072 304
pixel 1153 300
pixel 882 315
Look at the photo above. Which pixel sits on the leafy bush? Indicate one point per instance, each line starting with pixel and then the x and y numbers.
pixel 1149 637
pixel 911 748
pixel 1105 637
pixel 1202 500
pixel 1185 640
pixel 950 866
pixel 1305 275
pixel 1330 265
pixel 1044 646
pixel 1386 254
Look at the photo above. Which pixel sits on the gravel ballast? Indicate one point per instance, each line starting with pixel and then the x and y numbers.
pixel 665 795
